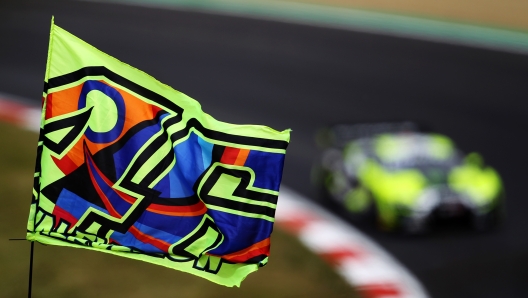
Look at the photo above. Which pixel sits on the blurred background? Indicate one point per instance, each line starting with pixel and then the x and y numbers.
pixel 505 14
pixel 300 65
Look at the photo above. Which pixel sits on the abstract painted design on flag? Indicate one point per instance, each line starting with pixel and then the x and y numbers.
pixel 126 165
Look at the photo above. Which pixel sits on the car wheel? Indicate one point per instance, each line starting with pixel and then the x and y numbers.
pixel 414 226
pixel 487 221
pixel 359 204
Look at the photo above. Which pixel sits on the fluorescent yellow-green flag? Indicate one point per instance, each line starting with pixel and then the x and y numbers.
pixel 129 166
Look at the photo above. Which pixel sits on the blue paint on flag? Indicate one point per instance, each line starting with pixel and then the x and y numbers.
pixel 207 152
pixel 239 232
pixel 74 204
pixel 267 167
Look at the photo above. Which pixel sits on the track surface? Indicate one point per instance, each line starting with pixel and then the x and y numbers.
pixel 283 75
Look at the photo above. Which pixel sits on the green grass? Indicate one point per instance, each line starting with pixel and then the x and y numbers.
pixel 293 271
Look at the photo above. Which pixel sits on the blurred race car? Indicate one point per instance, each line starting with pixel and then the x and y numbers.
pixel 405 178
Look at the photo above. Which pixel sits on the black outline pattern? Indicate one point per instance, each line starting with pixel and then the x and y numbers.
pixel 150 195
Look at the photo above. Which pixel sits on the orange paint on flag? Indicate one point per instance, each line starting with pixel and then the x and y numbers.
pixel 254 250
pixel 66 101
pixel 242 156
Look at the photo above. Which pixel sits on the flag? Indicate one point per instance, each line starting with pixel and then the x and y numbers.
pixel 129 166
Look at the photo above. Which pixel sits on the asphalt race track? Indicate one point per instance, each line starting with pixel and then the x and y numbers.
pixel 302 77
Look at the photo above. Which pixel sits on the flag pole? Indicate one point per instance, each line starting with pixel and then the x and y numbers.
pixel 30 268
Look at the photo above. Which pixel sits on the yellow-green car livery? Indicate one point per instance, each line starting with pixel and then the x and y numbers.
pixel 406 178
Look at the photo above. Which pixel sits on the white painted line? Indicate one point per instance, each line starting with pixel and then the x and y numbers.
pixel 16 111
